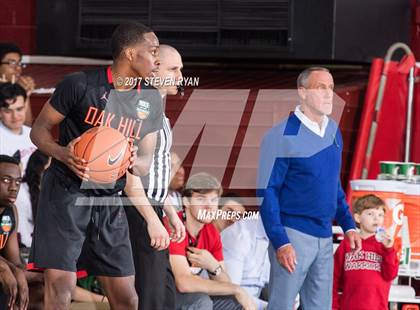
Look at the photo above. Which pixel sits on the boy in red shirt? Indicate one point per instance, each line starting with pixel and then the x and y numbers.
pixel 201 253
pixel 365 278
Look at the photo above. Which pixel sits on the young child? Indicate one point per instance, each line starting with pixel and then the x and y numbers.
pixel 365 278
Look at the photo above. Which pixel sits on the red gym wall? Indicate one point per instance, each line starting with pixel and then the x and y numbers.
pixel 18 24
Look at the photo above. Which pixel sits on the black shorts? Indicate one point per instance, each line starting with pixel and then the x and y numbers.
pixel 63 227
pixel 3 299
pixel 154 282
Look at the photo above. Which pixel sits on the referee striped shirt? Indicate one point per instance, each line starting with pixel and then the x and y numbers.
pixel 156 183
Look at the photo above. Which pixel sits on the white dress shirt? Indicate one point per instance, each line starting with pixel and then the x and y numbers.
pixel 312 126
pixel 245 251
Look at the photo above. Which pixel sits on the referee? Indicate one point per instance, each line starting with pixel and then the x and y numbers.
pixel 154 281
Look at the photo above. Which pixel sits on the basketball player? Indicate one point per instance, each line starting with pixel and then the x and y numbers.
pixel 154 280
pixel 64 223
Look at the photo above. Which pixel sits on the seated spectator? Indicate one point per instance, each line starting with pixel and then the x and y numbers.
pixel 11 71
pixel 201 253
pixel 245 249
pixel 27 200
pixel 232 207
pixel 13 277
pixel 14 134
pixel 177 182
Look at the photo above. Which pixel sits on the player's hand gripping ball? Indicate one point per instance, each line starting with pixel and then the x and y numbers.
pixel 107 153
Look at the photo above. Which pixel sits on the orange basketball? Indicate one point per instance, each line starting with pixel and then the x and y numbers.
pixel 107 153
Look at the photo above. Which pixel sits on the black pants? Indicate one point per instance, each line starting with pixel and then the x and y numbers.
pixel 3 299
pixel 155 283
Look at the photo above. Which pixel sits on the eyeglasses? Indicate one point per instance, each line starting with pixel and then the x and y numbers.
pixel 14 64
pixel 9 180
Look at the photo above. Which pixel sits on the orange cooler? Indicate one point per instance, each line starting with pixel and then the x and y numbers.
pixel 412 211
pixel 392 192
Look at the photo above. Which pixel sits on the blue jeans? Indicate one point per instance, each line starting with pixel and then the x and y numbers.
pixel 312 278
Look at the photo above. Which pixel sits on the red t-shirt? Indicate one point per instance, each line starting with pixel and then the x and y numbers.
pixel 364 278
pixel 208 239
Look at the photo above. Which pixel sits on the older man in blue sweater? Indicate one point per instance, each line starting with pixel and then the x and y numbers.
pixel 299 180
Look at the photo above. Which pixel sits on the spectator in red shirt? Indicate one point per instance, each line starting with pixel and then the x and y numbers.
pixel 364 278
pixel 197 261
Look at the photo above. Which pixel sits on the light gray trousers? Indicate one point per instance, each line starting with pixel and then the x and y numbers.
pixel 312 278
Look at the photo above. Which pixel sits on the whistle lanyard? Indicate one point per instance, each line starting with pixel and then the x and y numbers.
pixel 191 242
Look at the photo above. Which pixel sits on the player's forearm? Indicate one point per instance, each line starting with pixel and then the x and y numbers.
pixel 5 270
pixel 195 284
pixel 4 266
pixel 11 265
pixel 44 140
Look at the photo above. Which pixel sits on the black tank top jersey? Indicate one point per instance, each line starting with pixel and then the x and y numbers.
pixel 7 225
pixel 88 99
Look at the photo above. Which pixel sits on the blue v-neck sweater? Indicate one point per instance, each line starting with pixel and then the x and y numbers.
pixel 299 181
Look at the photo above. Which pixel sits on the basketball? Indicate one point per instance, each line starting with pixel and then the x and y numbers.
pixel 107 153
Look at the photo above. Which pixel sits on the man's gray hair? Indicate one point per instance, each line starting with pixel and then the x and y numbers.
pixel 302 80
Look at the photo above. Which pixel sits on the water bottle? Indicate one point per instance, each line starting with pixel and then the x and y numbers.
pixel 380 234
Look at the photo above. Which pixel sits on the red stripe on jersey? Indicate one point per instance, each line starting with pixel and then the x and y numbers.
pixel 109 75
